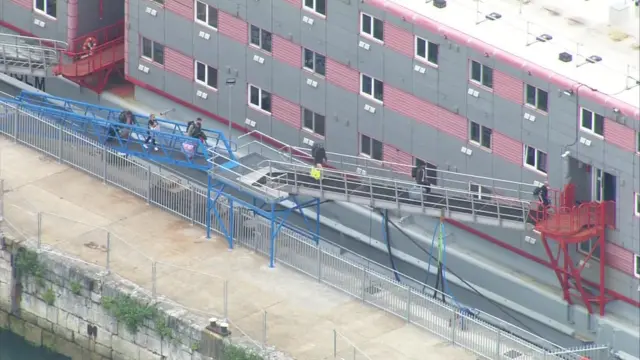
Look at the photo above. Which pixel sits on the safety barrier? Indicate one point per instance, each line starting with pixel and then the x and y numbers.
pixel 361 279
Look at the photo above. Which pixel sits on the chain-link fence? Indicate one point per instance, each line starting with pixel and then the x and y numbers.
pixel 323 261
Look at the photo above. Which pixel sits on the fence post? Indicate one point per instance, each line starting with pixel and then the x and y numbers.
pixel 319 259
pixel 225 300
pixel 364 282
pixel 1 199
pixel 264 329
pixel 409 292
pixel 15 126
pixel 454 323
pixel 335 343
pixel 105 159
pixel 39 229
pixel 498 338
pixel 149 184
pixel 60 145
pixel 108 252
pixel 193 204
pixel 153 279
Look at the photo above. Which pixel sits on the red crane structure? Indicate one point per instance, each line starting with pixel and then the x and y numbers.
pixel 563 226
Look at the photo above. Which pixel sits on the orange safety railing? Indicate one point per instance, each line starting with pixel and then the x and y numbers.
pixel 566 221
pixel 104 37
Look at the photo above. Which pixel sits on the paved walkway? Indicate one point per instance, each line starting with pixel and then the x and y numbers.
pixel 301 314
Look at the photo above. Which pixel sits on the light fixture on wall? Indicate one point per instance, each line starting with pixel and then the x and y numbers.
pixel 568 92
pixel 565 154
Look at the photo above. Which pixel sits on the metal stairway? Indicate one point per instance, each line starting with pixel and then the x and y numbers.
pixel 100 124
pixel 29 56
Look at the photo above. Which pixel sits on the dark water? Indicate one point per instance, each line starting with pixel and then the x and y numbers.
pixel 13 347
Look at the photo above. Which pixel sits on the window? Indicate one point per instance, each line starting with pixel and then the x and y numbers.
pixel 537 98
pixel 261 38
pixel 319 6
pixel 370 147
pixel 592 122
pixel 153 51
pixel 426 50
pixel 314 62
pixel 480 135
pixel 535 159
pixel 638 142
pixel 482 74
pixel 206 14
pixel 47 7
pixel 479 192
pixel 206 75
pixel 638 204
pixel 259 98
pixel 313 122
pixel 636 263
pixel 372 27
pixel 586 246
pixel 371 87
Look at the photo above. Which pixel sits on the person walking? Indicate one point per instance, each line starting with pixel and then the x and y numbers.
pixel 153 126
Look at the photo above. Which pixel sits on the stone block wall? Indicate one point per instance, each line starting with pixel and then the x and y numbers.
pixel 59 304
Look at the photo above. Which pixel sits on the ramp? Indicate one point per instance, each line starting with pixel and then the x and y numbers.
pixel 173 146
pixel 29 56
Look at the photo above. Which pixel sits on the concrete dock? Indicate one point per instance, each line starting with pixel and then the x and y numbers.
pixel 81 216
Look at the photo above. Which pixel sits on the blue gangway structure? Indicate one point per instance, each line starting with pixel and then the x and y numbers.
pixel 264 185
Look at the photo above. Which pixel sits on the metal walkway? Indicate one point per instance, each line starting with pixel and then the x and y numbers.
pixel 458 196
pixel 29 56
pixel 101 124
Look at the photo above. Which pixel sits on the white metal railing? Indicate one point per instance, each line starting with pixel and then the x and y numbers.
pixel 367 281
pixel 28 55
pixel 362 165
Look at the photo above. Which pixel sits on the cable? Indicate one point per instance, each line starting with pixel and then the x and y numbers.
pixel 471 287
pixel 426 278
pixel 387 236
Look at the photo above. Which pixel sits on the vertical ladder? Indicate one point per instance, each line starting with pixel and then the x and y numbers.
pixel 28 55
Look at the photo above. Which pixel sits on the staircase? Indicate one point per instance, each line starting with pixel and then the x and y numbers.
pixel 29 56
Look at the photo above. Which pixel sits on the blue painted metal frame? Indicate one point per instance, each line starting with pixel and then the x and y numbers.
pixel 98 121
pixel 111 114
pixel 170 145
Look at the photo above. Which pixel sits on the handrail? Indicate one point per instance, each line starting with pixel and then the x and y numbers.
pixel 360 165
pixel 103 36
pixel 56 45
pixel 91 110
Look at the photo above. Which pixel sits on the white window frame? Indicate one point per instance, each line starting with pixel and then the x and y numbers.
pixel 206 75
pixel 206 20
pixel 595 256
pixel 591 130
pixel 427 53
pixel 153 51
pixel 636 265
pixel 314 7
pixel 315 59
pixel 44 11
pixel 536 98
pixel 259 105
pixel 313 129
pixel 477 194
pixel 260 37
pixel 480 82
pixel 636 204
pixel 373 88
pixel 372 23
pixel 372 141
pixel 480 135
pixel 534 167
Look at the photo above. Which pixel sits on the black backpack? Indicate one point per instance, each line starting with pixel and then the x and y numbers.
pixel 122 118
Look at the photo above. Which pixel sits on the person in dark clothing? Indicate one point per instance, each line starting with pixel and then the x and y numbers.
pixel 422 178
pixel 542 193
pixel 194 129
pixel 319 155
pixel 153 126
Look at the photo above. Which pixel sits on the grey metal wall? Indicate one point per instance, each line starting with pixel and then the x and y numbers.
pixel 23 18
pixel 91 19
pixel 337 36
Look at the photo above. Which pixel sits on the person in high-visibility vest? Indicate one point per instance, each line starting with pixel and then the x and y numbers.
pixel 316 173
